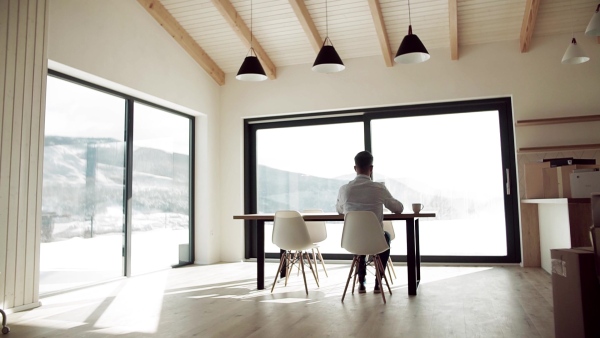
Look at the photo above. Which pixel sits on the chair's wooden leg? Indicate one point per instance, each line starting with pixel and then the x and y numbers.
pixel 391 265
pixel 278 270
pixel 311 268
pixel 296 258
pixel 303 274
pixel 315 262
pixel 289 265
pixel 355 273
pixel 322 261
pixel 386 280
pixel 349 277
pixel 378 275
pixel 389 273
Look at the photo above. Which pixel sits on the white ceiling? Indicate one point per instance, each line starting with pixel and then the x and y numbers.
pixel 352 30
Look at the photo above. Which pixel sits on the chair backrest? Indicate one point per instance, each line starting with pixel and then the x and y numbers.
pixel 289 231
pixel 316 230
pixel 363 234
pixel 389 227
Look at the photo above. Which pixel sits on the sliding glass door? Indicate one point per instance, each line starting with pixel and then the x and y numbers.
pixel 451 163
pixel 83 183
pixel 161 194
pixel 301 168
pixel 101 146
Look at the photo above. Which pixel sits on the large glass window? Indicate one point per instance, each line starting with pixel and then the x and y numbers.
pixel 82 200
pixel 452 164
pixel 161 195
pixel 91 136
pixel 456 158
pixel 301 168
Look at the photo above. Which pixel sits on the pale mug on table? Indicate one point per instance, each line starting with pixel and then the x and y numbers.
pixel 417 207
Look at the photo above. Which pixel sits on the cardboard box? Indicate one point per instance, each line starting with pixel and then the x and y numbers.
pixel 534 182
pixel 557 181
pixel 596 245
pixel 575 293
pixel 584 183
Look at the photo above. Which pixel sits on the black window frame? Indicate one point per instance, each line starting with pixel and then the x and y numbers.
pixel 511 201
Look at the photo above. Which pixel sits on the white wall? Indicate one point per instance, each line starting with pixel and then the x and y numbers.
pixel 116 43
pixel 538 83
pixel 22 101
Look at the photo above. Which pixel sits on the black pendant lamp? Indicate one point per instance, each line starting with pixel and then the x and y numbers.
pixel 411 49
pixel 328 60
pixel 251 69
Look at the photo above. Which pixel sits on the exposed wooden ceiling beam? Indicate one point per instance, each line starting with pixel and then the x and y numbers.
pixel 168 22
pixel 453 19
pixel 384 43
pixel 235 21
pixel 531 10
pixel 307 24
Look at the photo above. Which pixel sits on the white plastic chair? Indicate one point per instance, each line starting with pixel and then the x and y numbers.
pixel 318 233
pixel 291 234
pixel 363 235
pixel 389 227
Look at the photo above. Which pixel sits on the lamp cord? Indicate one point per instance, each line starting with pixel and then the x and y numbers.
pixel 409 20
pixel 326 21
pixel 251 35
pixel 572 20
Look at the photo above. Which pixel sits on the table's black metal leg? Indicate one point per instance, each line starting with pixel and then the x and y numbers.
pixel 410 256
pixel 418 252
pixel 260 255
pixel 283 272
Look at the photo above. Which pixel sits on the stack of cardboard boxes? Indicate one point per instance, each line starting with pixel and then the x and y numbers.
pixel 562 178
pixel 576 285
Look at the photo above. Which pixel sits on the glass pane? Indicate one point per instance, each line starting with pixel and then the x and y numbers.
pixel 452 164
pixel 161 190
pixel 82 200
pixel 302 168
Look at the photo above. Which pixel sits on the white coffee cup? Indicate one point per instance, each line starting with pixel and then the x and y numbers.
pixel 417 207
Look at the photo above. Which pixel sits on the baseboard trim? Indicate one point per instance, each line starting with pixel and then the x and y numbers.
pixel 23 308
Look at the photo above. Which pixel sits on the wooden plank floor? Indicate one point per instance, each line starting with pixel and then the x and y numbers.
pixel 222 301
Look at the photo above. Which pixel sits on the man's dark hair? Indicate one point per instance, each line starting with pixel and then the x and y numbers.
pixel 363 160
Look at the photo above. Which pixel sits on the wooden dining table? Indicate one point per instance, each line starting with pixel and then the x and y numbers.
pixel 413 255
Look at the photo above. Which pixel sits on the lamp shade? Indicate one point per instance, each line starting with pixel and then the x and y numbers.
pixel 593 27
pixel 328 60
pixel 411 49
pixel 251 70
pixel 574 54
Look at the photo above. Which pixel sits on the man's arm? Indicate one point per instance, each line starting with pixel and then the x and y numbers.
pixel 392 204
pixel 339 205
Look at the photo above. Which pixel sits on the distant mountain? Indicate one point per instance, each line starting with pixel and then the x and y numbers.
pixel 84 178
pixel 279 190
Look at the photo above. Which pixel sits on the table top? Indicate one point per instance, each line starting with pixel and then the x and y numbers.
pixel 333 216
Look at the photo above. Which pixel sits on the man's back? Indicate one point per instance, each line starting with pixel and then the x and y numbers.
pixel 362 194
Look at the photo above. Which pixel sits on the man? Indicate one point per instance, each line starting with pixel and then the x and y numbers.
pixel 362 194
